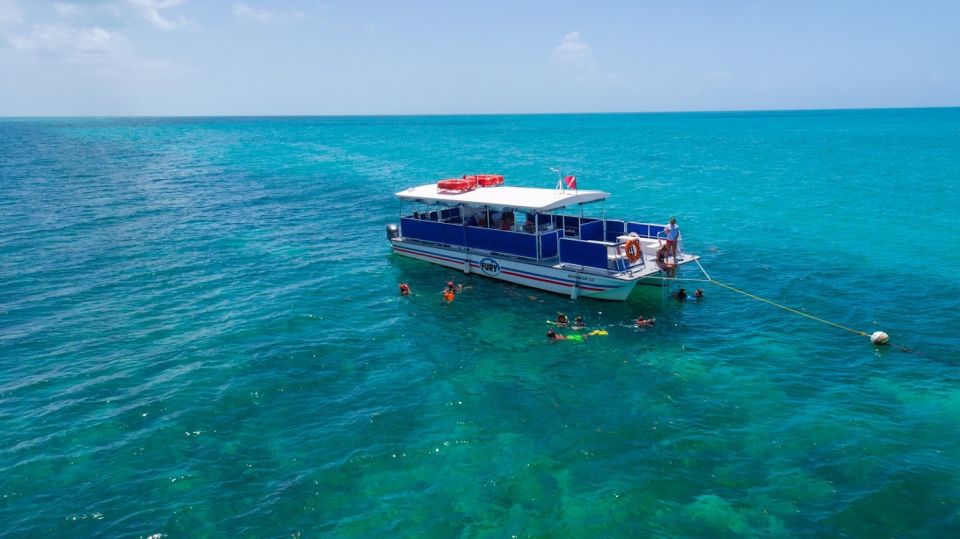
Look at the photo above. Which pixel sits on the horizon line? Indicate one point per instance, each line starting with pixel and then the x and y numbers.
pixel 438 114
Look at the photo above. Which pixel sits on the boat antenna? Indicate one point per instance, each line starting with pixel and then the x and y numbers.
pixel 559 186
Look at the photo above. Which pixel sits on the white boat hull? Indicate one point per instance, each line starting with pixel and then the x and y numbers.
pixel 555 279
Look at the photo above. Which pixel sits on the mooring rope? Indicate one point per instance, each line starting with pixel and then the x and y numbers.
pixel 707 275
pixel 758 298
pixel 784 307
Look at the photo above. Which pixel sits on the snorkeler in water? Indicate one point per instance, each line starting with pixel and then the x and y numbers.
pixel 642 322
pixel 404 289
pixel 455 288
pixel 554 336
pixel 449 292
pixel 578 322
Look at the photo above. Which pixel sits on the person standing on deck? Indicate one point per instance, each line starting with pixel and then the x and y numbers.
pixel 672 234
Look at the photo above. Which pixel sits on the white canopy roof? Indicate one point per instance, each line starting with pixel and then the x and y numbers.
pixel 521 198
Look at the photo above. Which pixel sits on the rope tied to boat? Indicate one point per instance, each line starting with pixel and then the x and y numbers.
pixel 790 309
pixel 877 337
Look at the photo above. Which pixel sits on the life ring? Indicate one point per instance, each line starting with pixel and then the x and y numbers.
pixel 457 184
pixel 489 180
pixel 633 250
pixel 485 180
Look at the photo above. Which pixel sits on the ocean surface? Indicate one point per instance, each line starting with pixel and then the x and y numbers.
pixel 200 332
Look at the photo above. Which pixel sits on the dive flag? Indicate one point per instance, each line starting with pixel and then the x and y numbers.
pixel 571 182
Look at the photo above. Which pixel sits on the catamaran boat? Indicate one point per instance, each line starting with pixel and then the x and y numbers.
pixel 535 237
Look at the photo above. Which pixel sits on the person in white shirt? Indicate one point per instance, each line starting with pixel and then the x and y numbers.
pixel 671 233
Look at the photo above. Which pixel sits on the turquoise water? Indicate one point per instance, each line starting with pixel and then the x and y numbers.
pixel 200 333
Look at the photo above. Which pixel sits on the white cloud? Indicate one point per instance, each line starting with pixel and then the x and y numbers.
pixel 66 9
pixel 151 10
pixel 77 45
pixel 9 14
pixel 244 11
pixel 574 60
pixel 85 34
pixel 572 50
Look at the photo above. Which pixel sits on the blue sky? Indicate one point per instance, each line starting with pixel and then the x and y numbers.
pixel 210 57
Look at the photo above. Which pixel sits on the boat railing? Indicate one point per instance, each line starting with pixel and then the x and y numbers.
pixel 592 230
pixel 518 244
pixel 587 253
pixel 616 228
pixel 590 249
pixel 432 231
pixel 599 255
pixel 549 243
pixel 501 241
pixel 644 230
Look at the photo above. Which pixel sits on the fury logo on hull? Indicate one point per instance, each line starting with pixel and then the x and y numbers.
pixel 489 266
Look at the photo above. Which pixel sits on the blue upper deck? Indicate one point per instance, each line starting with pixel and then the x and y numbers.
pixel 539 237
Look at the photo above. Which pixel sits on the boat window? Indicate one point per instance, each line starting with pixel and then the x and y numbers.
pixel 472 216
pixel 451 215
pixel 545 221
pixel 529 223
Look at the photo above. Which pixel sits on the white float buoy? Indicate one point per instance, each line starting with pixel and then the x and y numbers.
pixel 879 337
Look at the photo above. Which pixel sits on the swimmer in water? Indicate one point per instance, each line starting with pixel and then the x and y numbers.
pixel 449 292
pixel 404 289
pixel 562 319
pixel 641 321
pixel 578 322
pixel 554 336
pixel 681 294
pixel 698 293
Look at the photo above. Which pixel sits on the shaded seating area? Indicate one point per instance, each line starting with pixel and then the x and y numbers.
pixel 587 241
